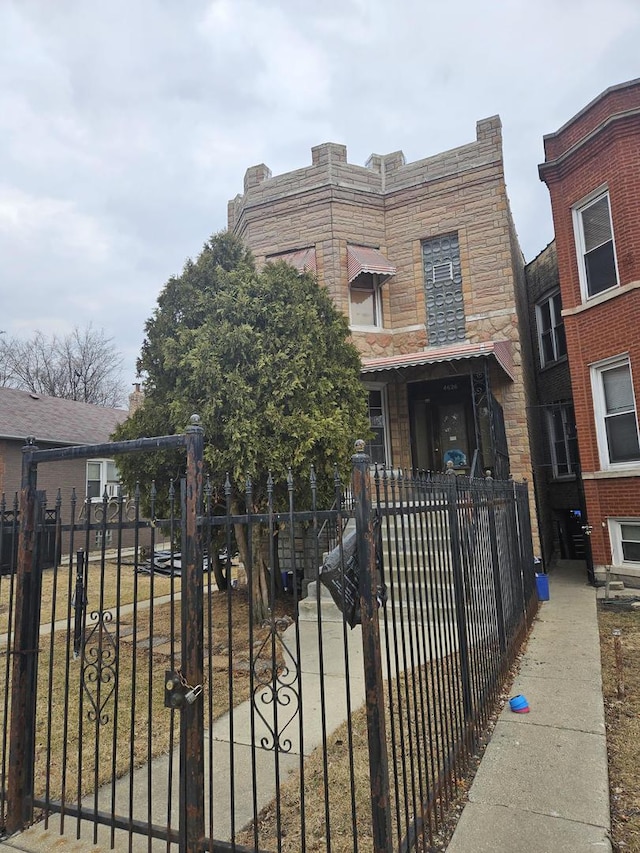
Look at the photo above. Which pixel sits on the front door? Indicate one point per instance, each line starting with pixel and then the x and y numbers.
pixel 441 424
pixel 453 442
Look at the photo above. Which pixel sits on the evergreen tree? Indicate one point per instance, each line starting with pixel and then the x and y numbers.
pixel 265 359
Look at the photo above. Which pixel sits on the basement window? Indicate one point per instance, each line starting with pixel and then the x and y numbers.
pixel 624 534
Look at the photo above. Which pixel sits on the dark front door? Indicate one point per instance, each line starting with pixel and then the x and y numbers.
pixel 441 424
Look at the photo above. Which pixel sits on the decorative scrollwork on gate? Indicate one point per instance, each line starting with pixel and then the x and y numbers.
pixel 99 670
pixel 276 685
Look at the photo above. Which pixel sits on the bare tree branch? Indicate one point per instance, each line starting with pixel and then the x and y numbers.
pixel 83 365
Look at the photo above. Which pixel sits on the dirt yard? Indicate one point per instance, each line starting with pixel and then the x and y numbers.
pixel 621 691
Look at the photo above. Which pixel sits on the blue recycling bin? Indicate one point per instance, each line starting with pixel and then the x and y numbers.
pixel 542 586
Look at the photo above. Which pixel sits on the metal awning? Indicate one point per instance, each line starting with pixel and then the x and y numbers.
pixel 304 260
pixel 500 350
pixel 364 259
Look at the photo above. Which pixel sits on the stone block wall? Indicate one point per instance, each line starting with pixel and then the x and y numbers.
pixel 394 206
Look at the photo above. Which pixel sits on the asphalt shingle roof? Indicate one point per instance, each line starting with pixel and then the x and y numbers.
pixel 51 419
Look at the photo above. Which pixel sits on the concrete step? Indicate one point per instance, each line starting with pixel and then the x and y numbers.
pixel 432 598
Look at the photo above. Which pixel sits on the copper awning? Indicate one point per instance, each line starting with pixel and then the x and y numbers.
pixel 304 260
pixel 364 259
pixel 499 350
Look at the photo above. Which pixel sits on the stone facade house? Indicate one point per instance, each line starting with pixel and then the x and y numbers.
pixel 424 260
pixel 592 171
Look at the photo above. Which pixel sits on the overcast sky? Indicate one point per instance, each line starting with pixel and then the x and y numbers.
pixel 127 125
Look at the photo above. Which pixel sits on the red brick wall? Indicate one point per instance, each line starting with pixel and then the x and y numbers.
pixel 615 498
pixel 607 152
pixel 616 164
pixel 614 100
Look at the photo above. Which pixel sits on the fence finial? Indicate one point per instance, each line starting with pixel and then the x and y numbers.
pixel 359 445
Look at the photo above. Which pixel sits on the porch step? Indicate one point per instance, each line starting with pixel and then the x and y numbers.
pixel 308 607
pixel 433 598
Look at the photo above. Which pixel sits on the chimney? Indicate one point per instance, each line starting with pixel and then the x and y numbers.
pixel 136 398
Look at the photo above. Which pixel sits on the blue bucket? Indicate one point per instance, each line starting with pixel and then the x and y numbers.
pixel 542 586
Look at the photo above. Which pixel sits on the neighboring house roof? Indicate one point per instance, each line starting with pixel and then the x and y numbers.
pixel 53 420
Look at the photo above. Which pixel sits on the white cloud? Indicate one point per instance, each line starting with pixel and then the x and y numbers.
pixel 281 64
pixel 29 221
pixel 126 127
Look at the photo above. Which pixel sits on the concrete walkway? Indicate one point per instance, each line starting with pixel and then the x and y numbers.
pixel 41 839
pixel 542 785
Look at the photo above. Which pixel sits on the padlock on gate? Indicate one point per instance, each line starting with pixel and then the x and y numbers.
pixel 178 693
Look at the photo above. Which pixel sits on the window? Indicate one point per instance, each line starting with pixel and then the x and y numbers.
pixel 624 534
pixel 563 441
pixel 108 538
pixel 551 337
pixel 365 300
pixel 377 446
pixel 594 242
pixel 443 290
pixel 102 474
pixel 615 412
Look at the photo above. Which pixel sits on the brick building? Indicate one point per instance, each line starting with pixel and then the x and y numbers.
pixel 424 260
pixel 554 444
pixel 54 422
pixel 592 171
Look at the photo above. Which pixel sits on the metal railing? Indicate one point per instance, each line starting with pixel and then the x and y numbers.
pixel 200 700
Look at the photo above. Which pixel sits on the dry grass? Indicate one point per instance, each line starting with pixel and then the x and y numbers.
pixel 623 724
pixel 417 743
pixel 56 589
pixel 77 750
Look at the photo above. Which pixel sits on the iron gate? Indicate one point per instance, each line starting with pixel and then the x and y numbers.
pixel 82 692
pixel 148 699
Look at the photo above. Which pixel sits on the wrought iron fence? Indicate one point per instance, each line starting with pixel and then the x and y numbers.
pixel 212 704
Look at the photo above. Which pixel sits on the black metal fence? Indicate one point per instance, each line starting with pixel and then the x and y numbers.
pixel 167 679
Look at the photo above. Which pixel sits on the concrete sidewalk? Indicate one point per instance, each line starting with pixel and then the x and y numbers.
pixel 542 785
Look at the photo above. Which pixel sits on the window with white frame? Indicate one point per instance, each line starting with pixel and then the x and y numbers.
pixel 551 337
pixel 615 413
pixel 563 440
pixel 102 475
pixel 595 246
pixel 624 534
pixel 377 446
pixel 365 300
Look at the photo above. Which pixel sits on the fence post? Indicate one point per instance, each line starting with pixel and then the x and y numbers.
pixel 25 654
pixel 192 637
pixel 374 690
pixel 458 587
pixel 495 562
